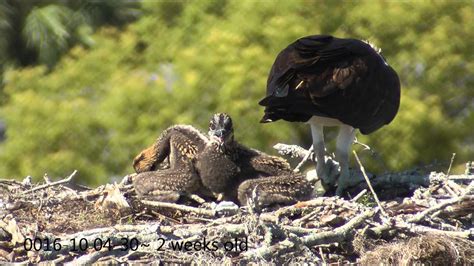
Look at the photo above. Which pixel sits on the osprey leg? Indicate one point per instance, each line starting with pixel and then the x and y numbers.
pixel 344 141
pixel 322 170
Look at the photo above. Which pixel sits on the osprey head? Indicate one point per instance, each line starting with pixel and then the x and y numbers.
pixel 221 129
pixel 145 161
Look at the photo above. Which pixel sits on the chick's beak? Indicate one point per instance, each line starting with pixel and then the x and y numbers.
pixel 216 139
pixel 218 136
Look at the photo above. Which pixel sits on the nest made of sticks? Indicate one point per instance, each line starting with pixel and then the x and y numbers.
pixel 433 225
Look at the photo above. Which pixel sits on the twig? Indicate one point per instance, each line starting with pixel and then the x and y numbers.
pixel 59 182
pixel 27 181
pixel 457 188
pixel 305 158
pixel 337 235
pixel 448 186
pixel 420 216
pixel 372 152
pixel 449 189
pixel 305 218
pixel 414 228
pixel 59 260
pixel 461 177
pixel 196 198
pixel 450 165
pixel 463 208
pixel 469 168
pixel 200 211
pixel 358 196
pixel 166 217
pixel 322 255
pixel 300 230
pixel 366 147
pixel 467 234
pixel 293 151
pixel 369 184
pixel 46 178
pixel 95 256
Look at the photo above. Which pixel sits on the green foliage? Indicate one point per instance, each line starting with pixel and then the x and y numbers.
pixel 41 31
pixel 367 200
pixel 183 60
pixel 46 27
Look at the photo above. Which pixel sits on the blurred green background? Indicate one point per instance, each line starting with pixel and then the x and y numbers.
pixel 87 84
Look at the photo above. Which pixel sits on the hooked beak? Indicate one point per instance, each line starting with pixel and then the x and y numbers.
pixel 217 139
pixel 218 136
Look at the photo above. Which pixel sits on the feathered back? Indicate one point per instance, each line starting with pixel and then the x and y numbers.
pixel 345 79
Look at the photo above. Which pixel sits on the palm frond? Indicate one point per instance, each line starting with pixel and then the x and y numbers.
pixel 5 32
pixel 47 29
pixel 115 12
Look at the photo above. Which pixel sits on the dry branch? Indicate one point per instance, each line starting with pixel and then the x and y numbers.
pixel 199 211
pixel 305 158
pixel 370 185
pixel 59 182
pixel 408 179
pixel 339 234
pixel 422 215
pixel 313 231
pixel 334 236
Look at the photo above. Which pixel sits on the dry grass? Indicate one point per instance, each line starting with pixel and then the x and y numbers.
pixel 424 249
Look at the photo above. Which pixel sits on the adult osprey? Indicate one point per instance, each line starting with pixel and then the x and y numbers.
pixel 328 81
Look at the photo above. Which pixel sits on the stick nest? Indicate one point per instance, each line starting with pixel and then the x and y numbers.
pixel 432 225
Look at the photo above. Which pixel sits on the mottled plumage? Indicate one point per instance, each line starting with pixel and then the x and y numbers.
pixel 219 163
pixel 225 164
pixel 284 189
pixel 217 170
pixel 179 143
pixel 167 184
pixel 254 162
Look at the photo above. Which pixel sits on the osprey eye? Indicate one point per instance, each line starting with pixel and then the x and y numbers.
pixel 212 126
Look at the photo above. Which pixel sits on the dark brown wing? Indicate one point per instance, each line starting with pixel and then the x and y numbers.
pixel 255 163
pixel 284 189
pixel 178 143
pixel 345 79
pixel 167 184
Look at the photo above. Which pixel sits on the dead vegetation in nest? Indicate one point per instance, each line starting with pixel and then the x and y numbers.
pixel 62 222
pixel 425 249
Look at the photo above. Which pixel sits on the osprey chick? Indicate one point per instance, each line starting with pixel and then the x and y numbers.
pixel 215 163
pixel 224 163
